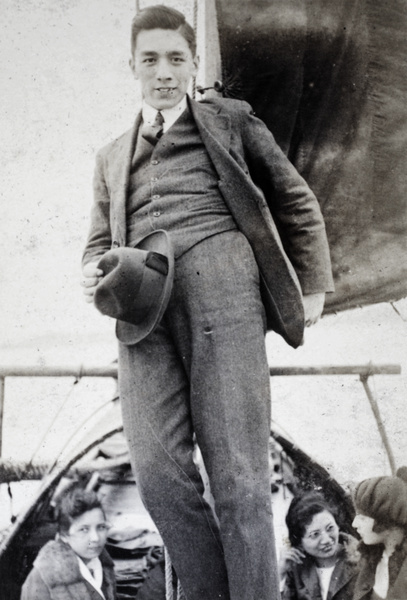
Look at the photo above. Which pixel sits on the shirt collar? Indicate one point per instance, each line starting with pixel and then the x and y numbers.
pixel 97 579
pixel 170 115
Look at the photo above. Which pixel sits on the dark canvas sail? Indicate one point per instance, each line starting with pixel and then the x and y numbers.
pixel 329 78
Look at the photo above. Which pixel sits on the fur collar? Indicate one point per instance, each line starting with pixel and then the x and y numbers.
pixel 59 569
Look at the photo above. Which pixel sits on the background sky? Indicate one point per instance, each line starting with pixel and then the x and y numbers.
pixel 69 91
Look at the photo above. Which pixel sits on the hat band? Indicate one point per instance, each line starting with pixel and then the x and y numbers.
pixel 157 262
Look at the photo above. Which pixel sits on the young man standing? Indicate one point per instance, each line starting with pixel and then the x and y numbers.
pixel 211 175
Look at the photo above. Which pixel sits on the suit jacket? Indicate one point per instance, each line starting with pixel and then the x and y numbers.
pixel 270 202
pixel 56 576
pixel 302 581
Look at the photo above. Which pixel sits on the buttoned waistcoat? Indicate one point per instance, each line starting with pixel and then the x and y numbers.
pixel 270 202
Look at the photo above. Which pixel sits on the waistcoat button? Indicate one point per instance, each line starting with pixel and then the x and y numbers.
pixel 154 162
pixel 156 213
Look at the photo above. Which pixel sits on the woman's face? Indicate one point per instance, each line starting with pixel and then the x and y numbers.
pixel 364 526
pixel 321 536
pixel 87 534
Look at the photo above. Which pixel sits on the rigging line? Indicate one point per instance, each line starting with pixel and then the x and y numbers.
pixel 76 380
pixel 71 437
pixel 396 310
pixel 195 26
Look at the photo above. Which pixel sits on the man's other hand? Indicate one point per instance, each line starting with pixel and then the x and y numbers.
pixel 91 277
pixel 313 307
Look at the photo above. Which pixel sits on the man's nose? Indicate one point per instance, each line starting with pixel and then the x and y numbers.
pixel 163 70
pixel 355 521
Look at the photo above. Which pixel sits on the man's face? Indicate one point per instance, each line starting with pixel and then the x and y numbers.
pixel 164 64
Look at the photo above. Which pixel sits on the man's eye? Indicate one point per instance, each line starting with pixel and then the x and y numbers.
pixel 84 529
pixel 177 59
pixel 149 61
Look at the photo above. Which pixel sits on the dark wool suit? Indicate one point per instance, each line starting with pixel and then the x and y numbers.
pixel 204 370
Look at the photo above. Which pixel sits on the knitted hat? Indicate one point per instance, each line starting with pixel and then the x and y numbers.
pixel 384 499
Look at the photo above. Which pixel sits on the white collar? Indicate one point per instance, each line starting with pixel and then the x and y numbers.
pixel 170 115
pixel 96 566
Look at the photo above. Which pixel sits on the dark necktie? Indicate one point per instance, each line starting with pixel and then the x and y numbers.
pixel 152 133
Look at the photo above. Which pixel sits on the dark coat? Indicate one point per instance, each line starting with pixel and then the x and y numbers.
pixel 302 581
pixel 56 576
pixel 397 570
pixel 270 202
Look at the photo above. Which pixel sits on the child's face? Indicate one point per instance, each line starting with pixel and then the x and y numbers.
pixel 87 534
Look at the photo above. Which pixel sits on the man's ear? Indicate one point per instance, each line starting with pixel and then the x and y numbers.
pixel 132 64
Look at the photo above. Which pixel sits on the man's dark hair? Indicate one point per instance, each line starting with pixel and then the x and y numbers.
pixel 74 503
pixel 162 17
pixel 301 512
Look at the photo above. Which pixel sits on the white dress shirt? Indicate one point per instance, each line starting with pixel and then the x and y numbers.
pixel 170 115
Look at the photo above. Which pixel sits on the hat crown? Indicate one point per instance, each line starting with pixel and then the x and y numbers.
pixel 136 286
pixel 384 499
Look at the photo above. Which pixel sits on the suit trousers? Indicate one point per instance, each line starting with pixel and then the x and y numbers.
pixel 203 371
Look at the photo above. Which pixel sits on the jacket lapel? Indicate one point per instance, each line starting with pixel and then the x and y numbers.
pixel 214 126
pixel 280 287
pixel 119 174
pixel 311 581
pixel 398 589
pixel 341 575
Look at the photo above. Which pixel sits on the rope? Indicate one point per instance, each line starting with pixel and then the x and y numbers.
pixel 169 592
pixel 65 400
pixel 78 428
pixel 180 592
pixel 396 310
pixel 195 26
pixel 168 576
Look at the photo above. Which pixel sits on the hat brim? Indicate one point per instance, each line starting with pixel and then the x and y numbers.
pixel 128 333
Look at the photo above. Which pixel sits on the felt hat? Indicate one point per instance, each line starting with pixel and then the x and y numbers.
pixel 136 286
pixel 384 499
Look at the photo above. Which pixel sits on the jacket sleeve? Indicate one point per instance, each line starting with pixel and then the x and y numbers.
pixel 292 204
pixel 289 591
pixel 100 236
pixel 34 588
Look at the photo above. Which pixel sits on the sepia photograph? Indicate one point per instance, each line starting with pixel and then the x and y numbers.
pixel 203 351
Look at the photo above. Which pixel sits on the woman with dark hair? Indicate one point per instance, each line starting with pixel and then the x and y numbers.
pixel 322 561
pixel 381 521
pixel 75 565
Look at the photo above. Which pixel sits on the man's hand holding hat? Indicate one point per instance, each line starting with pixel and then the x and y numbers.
pixel 92 275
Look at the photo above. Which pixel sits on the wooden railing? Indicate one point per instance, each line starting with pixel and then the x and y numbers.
pixel 79 371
